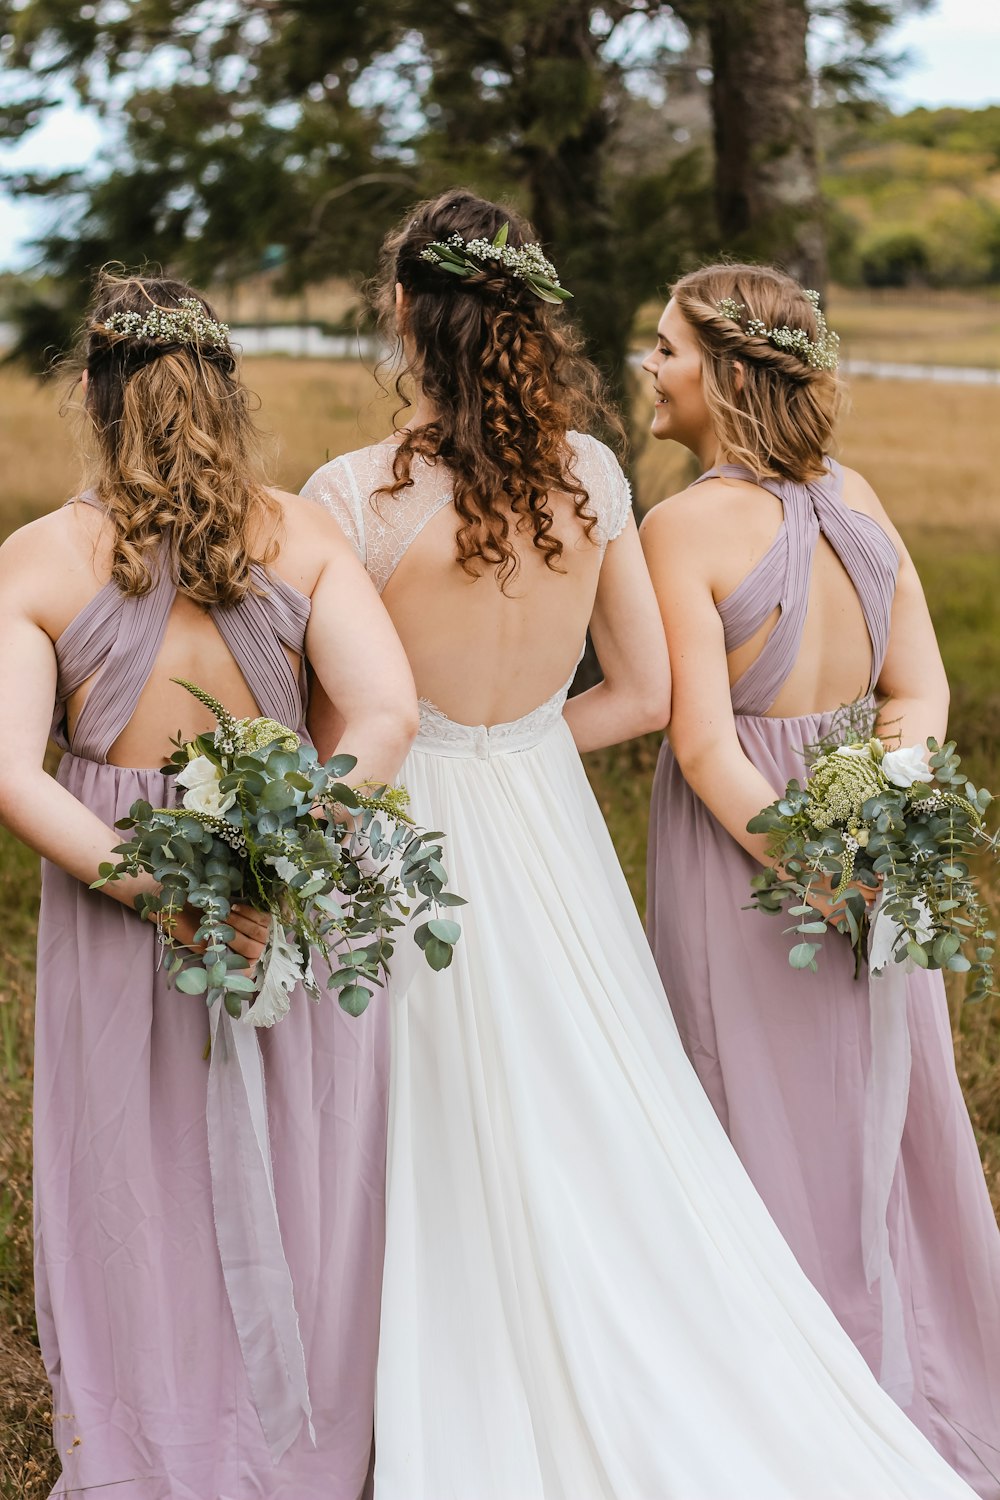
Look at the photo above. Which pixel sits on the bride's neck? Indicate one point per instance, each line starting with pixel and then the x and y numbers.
pixel 421 412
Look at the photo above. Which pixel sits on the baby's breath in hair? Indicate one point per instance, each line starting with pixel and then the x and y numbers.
pixel 526 262
pixel 188 323
pixel 822 353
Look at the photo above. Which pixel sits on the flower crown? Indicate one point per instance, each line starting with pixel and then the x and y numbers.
pixel 527 263
pixel 188 323
pixel 822 353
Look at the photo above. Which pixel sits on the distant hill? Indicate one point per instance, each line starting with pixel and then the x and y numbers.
pixel 915 198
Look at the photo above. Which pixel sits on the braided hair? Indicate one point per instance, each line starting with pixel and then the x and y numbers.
pixel 773 411
pixel 506 375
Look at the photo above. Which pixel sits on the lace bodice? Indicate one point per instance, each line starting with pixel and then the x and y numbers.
pixel 381 529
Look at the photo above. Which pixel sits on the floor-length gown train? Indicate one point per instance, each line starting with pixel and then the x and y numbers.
pixel 150 1396
pixel 584 1298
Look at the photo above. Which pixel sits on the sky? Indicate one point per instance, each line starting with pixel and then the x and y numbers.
pixel 954 59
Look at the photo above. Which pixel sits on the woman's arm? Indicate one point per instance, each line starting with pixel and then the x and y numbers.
pixel 702 726
pixel 912 681
pixel 634 697
pixel 368 706
pixel 33 805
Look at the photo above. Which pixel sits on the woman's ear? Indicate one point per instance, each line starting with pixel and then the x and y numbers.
pixel 400 306
pixel 740 370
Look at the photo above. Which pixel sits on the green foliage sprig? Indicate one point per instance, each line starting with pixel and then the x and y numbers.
pixel 861 821
pixel 265 822
pixel 527 263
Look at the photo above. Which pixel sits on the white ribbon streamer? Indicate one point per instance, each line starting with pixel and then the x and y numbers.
pixel 256 1273
pixel 887 1093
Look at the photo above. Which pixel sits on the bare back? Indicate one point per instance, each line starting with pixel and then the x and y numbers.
pixel 183 639
pixel 479 654
pixel 803 577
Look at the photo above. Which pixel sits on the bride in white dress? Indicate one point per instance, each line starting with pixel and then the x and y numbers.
pixel 584 1298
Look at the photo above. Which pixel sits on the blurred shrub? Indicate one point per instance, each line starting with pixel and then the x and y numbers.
pixel 899 258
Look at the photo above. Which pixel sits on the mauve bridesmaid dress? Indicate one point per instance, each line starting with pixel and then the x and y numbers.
pixel 150 1396
pixel 783 1053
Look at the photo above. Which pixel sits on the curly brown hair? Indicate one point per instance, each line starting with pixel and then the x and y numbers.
pixel 771 410
pixel 173 451
pixel 507 377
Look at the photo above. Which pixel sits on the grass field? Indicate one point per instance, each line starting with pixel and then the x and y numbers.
pixel 929 450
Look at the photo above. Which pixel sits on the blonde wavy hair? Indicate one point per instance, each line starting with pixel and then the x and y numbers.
pixel 172 451
pixel 772 411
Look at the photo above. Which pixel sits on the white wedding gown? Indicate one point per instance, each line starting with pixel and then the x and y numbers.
pixel 584 1298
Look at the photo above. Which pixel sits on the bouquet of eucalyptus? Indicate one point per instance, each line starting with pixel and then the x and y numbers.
pixel 264 821
pixel 907 821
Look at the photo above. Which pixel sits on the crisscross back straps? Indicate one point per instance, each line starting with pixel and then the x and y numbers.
pixel 118 637
pixel 781 580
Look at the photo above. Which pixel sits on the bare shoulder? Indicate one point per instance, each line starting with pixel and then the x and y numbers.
pixel 670 518
pixel 702 516
pixel 55 555
pixel 309 539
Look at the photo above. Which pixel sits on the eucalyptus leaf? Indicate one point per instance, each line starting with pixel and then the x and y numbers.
pixel 192 981
pixel 437 953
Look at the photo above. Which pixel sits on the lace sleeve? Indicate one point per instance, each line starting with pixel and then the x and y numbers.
pixel 334 486
pixel 609 490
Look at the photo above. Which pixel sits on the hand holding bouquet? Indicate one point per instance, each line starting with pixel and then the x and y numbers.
pixel 905 820
pixel 264 822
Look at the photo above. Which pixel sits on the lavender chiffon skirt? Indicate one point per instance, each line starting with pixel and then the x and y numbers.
pixel 150 1398
pixel 783 1056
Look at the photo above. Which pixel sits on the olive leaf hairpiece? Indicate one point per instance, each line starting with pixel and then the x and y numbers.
pixel 822 353
pixel 188 323
pixel 525 262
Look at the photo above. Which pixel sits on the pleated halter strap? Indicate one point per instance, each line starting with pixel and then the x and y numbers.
pixel 782 577
pixel 116 638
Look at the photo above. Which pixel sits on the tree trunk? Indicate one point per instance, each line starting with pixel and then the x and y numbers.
pixel 767 181
pixel 564 173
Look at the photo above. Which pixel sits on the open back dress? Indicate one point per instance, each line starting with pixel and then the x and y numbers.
pixel 783 1054
pixel 150 1395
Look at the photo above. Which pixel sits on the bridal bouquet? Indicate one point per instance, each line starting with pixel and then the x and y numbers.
pixel 907 821
pixel 263 821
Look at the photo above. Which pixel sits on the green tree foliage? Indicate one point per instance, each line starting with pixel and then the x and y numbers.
pixel 309 126
pixel 918 198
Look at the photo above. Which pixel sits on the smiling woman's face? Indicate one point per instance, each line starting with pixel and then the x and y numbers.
pixel 680 412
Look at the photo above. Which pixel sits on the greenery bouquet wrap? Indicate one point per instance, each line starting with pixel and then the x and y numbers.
pixel 905 821
pixel 263 821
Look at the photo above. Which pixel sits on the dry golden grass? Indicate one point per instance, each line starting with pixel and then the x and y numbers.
pixel 914 327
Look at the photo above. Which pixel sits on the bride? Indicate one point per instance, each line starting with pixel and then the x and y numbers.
pixel 584 1298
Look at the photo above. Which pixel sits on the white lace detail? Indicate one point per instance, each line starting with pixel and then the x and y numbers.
pixel 610 492
pixel 443 736
pixel 382 527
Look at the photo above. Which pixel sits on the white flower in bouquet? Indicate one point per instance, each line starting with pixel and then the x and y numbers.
pixel 904 767
pixel 201 778
pixel 905 821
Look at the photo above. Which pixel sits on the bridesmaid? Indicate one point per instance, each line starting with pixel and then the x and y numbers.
pixel 179 562
pixel 786 591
